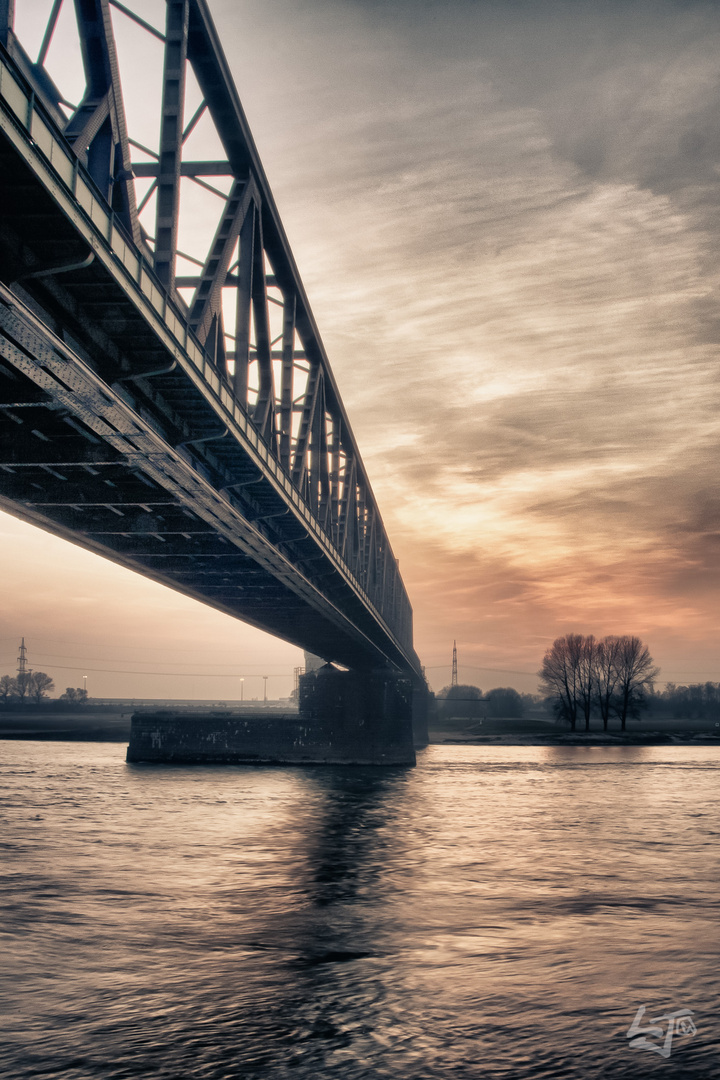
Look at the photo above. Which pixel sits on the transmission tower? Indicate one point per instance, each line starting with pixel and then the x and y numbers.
pixel 453 680
pixel 22 659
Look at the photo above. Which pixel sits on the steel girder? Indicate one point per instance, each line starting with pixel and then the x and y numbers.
pixel 73 252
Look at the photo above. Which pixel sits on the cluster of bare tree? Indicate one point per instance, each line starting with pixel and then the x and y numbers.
pixel 35 686
pixel 25 686
pixel 76 695
pixel 611 676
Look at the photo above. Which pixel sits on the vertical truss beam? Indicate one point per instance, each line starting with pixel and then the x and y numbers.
pixel 385 580
pixel 371 578
pixel 335 481
pixel 286 380
pixel 264 413
pixel 171 140
pixel 7 21
pixel 324 507
pixel 299 473
pixel 348 510
pixel 317 447
pixel 246 261
pixel 361 566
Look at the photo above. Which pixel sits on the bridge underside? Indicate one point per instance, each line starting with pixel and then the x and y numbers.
pixel 140 469
pixel 77 459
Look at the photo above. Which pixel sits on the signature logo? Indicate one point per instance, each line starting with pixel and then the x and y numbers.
pixel 678 1023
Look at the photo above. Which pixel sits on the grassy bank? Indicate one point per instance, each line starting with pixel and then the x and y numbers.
pixel 510 731
pixel 88 724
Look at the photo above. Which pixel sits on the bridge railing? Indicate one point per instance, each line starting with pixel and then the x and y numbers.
pixel 283 403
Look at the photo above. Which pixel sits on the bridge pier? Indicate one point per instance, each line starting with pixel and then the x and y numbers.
pixel 421 704
pixel 368 714
pixel 345 718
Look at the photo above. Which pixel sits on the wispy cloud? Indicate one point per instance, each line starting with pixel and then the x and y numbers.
pixel 510 245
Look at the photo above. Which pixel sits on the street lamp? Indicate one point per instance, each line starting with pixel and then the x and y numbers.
pixel 85 684
pixel 242 688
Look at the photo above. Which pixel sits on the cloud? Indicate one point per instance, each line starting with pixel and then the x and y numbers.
pixel 522 313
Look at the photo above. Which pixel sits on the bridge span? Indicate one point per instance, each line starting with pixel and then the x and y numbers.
pixel 174 411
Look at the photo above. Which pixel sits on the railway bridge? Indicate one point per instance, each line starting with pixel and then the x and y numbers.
pixel 174 410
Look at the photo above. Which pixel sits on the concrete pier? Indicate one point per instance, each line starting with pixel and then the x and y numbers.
pixel 345 717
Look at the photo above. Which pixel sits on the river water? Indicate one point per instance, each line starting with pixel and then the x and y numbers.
pixel 495 912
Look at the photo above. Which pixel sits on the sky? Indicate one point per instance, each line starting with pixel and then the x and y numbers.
pixel 506 215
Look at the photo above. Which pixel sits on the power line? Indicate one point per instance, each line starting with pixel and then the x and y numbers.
pixel 46 658
pixel 171 674
pixel 472 667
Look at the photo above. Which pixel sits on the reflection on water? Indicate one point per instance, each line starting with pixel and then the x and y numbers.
pixel 496 912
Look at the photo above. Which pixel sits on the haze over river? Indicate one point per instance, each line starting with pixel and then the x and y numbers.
pixel 495 912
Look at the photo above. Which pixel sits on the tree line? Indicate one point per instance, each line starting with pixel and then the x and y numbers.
pixel 698 701
pixel 582 675
pixel 464 700
pixel 35 686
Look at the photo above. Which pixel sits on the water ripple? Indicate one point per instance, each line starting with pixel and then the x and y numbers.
pixel 495 913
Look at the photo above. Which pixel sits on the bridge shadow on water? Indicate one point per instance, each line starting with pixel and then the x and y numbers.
pixel 352 832
pixel 315 987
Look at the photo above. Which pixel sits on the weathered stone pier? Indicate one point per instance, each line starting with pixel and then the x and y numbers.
pixel 344 717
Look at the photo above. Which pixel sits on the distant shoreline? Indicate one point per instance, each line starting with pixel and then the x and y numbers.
pixel 591 738
pixel 95 722
pixel 111 724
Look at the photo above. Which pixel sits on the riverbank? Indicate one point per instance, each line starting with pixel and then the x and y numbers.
pixel 592 738
pixel 112 723
pixel 105 724
pixel 526 732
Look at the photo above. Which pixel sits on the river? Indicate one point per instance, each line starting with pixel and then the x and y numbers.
pixel 497 912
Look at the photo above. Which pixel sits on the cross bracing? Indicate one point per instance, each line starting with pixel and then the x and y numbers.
pixel 212 361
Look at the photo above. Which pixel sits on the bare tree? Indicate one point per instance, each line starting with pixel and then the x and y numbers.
pixel 504 701
pixel 586 676
pixel 39 684
pixel 606 675
pixel 636 675
pixel 461 700
pixel 614 674
pixel 696 701
pixel 22 684
pixel 7 688
pixel 560 676
pixel 75 694
pixel 461 691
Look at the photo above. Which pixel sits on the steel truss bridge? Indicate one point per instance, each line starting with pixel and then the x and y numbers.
pixel 184 424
